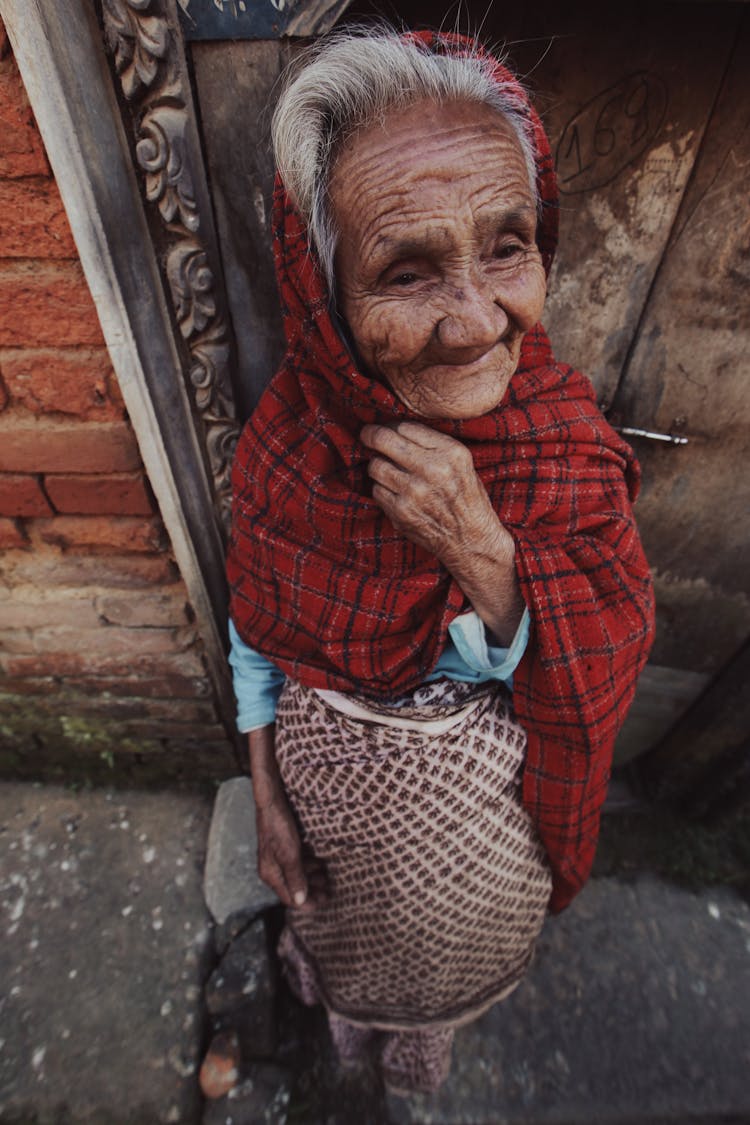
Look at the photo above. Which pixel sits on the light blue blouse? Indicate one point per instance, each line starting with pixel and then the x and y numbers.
pixel 467 657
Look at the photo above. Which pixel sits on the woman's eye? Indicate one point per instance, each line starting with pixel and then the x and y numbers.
pixel 509 250
pixel 403 279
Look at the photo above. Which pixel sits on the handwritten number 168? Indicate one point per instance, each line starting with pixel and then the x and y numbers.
pixel 609 132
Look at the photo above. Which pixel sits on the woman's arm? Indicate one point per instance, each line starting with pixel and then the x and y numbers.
pixel 279 848
pixel 298 879
pixel 426 484
pixel 281 860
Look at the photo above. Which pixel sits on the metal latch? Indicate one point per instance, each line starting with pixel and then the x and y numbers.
pixel 652 435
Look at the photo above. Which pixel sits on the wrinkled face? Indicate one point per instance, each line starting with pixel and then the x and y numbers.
pixel 438 273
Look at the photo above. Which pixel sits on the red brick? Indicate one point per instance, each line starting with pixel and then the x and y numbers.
pixel 84 663
pixel 141 608
pixel 185 711
pixel 117 533
pixel 167 687
pixel 3 395
pixel 39 685
pixel 21 149
pixel 46 303
pixel 77 381
pixel 147 738
pixel 38 445
pixel 34 223
pixel 47 567
pixel 11 535
pixel 121 495
pixel 151 687
pixel 192 732
pixel 104 639
pixel 4 44
pixel 22 496
pixel 188 711
pixel 21 614
pixel 16 641
pixel 114 395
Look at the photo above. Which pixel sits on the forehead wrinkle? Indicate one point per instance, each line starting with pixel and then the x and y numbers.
pixel 393 232
pixel 385 224
pixel 388 192
pixel 451 139
pixel 365 162
pixel 395 137
pixel 415 195
pixel 439 121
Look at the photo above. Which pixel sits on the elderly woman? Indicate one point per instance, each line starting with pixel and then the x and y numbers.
pixel 439 600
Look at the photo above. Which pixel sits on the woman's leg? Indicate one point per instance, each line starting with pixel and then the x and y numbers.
pixel 352 1043
pixel 416 1061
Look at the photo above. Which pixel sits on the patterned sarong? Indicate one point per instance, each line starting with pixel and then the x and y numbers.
pixel 438 882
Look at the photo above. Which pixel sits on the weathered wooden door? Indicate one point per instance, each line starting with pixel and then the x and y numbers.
pixel 649 113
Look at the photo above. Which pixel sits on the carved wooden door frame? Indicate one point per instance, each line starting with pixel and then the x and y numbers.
pixel 148 249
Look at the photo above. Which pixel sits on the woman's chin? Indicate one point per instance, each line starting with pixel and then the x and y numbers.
pixel 454 398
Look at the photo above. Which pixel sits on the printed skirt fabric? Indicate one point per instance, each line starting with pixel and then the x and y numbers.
pixel 438 883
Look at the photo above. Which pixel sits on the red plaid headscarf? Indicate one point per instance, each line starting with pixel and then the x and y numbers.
pixel 323 585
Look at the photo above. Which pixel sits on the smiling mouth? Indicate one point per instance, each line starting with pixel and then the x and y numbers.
pixel 501 350
pixel 488 363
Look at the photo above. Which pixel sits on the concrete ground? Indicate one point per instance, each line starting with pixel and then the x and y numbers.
pixel 103 951
pixel 637 1008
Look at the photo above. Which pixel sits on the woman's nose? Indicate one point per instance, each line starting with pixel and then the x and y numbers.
pixel 473 321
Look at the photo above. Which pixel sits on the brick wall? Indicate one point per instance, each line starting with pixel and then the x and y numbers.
pixel 101 669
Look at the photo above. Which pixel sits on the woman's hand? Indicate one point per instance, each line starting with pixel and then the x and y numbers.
pixel 426 484
pixel 297 878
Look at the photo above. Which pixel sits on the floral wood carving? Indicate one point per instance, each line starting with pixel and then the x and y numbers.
pixel 161 155
pixel 138 41
pixel 146 46
pixel 191 285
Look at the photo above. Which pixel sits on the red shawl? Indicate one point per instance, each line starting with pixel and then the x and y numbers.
pixel 324 586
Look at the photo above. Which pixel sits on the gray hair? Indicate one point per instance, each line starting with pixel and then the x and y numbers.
pixel 351 80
